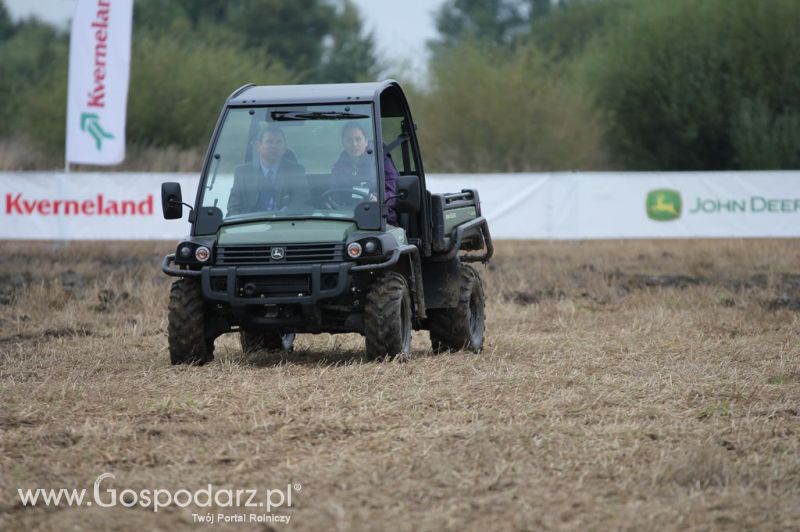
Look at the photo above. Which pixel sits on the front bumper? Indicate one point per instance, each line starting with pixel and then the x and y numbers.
pixel 280 307
pixel 225 285
pixel 235 276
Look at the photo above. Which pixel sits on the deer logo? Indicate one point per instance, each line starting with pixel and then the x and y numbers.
pixel 664 205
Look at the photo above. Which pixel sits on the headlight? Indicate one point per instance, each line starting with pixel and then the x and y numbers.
pixel 202 253
pixel 354 250
pixel 185 252
pixel 370 246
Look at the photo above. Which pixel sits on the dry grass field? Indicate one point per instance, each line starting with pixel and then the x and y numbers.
pixel 624 385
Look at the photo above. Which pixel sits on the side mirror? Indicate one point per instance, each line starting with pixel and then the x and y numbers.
pixel 171 201
pixel 409 198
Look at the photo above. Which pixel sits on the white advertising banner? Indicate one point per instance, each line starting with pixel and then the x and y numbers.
pixel 89 206
pixel 577 206
pixel 99 68
pixel 683 205
pixel 574 206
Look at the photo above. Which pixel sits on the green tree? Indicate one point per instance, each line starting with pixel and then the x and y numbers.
pixel 29 58
pixel 320 40
pixel 541 8
pixel 565 32
pixel 6 24
pixel 350 56
pixel 489 22
pixel 506 23
pixel 701 85
pixel 293 31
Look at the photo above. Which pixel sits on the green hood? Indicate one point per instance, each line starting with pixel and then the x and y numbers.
pixel 285 232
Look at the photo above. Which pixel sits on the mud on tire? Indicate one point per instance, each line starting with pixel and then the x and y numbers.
pixel 463 326
pixel 387 317
pixel 186 324
pixel 269 342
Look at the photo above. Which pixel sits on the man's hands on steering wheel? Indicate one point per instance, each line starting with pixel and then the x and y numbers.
pixel 337 199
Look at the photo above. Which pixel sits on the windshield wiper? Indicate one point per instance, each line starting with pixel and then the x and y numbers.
pixel 243 218
pixel 315 115
pixel 218 158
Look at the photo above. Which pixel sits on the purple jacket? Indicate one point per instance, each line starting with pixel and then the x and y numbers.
pixel 363 169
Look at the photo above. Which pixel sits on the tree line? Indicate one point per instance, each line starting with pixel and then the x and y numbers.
pixel 512 85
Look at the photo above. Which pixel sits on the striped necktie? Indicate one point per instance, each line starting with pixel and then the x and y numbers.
pixel 268 198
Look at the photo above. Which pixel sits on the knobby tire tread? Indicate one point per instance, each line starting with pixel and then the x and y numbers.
pixel 382 315
pixel 449 328
pixel 186 324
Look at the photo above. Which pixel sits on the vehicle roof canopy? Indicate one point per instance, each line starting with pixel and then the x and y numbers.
pixel 312 94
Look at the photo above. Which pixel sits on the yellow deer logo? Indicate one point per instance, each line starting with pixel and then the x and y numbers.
pixel 662 206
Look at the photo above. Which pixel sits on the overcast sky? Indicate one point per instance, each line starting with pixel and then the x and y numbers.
pixel 401 27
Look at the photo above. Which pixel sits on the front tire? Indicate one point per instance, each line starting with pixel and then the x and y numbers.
pixel 463 326
pixel 186 319
pixel 387 317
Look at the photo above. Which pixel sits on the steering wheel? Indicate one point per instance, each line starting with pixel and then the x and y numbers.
pixel 337 199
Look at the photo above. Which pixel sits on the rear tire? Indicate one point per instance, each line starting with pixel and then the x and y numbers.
pixel 269 342
pixel 387 317
pixel 186 324
pixel 463 326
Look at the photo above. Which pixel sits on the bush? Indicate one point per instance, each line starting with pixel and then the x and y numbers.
pixel 28 59
pixel 765 139
pixel 709 85
pixel 178 87
pixel 507 111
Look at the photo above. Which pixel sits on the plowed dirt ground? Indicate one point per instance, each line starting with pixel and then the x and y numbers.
pixel 624 385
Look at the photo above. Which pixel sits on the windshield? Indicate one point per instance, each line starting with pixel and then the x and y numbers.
pixel 293 162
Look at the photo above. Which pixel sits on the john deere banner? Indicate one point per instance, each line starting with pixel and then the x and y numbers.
pixel 99 64
pixel 637 205
pixel 518 206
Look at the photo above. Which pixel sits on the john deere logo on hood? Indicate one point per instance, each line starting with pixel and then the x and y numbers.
pixel 664 205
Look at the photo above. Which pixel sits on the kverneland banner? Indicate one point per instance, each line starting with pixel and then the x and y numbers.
pixel 99 67
pixel 99 205
pixel 88 206
pixel 127 206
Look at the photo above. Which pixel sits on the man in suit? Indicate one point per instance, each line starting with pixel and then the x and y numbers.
pixel 272 182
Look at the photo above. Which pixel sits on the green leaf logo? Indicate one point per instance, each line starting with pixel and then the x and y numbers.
pixel 90 123
pixel 664 205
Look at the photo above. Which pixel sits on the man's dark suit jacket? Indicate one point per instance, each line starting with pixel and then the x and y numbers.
pixel 290 189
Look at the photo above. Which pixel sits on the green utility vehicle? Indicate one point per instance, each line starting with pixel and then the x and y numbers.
pixel 296 228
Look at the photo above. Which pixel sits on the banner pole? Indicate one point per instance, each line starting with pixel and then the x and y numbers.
pixel 66 119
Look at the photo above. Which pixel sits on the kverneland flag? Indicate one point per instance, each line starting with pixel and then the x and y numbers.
pixel 99 66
